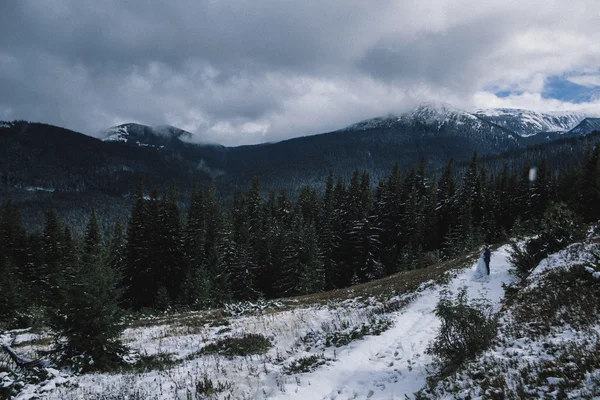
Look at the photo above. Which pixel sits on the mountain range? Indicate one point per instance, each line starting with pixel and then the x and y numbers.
pixel 38 158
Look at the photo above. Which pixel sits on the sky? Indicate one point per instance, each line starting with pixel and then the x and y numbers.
pixel 250 71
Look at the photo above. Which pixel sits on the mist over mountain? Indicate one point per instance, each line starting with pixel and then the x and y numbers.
pixel 44 161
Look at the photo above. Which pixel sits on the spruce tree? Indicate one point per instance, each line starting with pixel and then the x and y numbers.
pixel 51 274
pixel 87 317
pixel 14 294
pixel 137 279
pixel 325 230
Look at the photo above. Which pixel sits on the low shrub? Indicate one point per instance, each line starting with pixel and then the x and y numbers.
pixel 559 228
pixel 249 344
pixel 155 362
pixel 305 364
pixel 468 328
pixel 207 388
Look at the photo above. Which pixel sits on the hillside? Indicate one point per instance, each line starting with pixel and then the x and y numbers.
pixel 51 158
pixel 527 123
pixel 548 336
pixel 42 164
pixel 354 346
pixel 586 126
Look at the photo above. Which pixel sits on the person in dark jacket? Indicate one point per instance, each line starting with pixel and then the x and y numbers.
pixel 487 254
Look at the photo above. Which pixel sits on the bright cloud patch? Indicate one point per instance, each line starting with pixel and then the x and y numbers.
pixel 248 72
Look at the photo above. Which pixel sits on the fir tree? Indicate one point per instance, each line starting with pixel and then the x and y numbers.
pixel 88 315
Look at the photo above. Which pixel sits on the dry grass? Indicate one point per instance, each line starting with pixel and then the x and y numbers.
pixel 385 288
pixel 382 289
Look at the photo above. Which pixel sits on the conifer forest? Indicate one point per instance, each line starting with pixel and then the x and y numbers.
pixel 207 252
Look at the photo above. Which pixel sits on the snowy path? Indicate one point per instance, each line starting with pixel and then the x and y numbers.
pixel 393 364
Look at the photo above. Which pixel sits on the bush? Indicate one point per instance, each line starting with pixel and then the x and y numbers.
pixel 206 388
pixel 246 345
pixel 468 328
pixel 523 259
pixel 559 228
pixel 305 364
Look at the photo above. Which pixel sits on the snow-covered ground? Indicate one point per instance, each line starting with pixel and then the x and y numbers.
pixel 393 364
pixel 548 338
pixel 385 366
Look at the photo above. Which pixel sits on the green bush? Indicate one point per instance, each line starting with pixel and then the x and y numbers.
pixel 559 228
pixel 305 364
pixel 246 345
pixel 468 328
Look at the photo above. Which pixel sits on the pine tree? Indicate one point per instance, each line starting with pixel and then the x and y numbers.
pixel 88 315
pixel 194 248
pixel 469 210
pixel 137 279
pixel 117 250
pixel 588 184
pixel 237 252
pixel 312 277
pixel 51 273
pixel 168 267
pixel 14 294
pixel 446 202
pixel 540 192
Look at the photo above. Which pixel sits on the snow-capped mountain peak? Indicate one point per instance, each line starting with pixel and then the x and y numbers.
pixel 116 134
pixel 431 112
pixel 143 135
pixel 528 123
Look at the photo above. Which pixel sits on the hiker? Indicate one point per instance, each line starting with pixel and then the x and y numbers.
pixel 487 254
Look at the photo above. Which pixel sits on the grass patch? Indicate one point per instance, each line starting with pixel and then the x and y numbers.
pixel 207 388
pixel 385 288
pixel 339 339
pixel 343 334
pixel 247 345
pixel 305 364
pixel 156 362
pixel 569 296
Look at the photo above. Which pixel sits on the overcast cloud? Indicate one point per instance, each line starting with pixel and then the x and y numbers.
pixel 249 71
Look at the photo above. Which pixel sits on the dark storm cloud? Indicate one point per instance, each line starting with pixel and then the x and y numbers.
pixel 448 58
pixel 248 71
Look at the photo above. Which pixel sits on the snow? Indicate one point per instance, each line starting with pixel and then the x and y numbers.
pixel 117 134
pixel 393 365
pixel 38 189
pixel 576 253
pixel 388 366
pixel 5 124
pixel 429 113
pixel 529 123
pixel 520 357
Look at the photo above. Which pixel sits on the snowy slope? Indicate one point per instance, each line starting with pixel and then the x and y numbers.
pixel 393 365
pixel 118 133
pixel 443 125
pixel 143 135
pixel 521 122
pixel 528 123
pixel 387 366
pixel 548 337
pixel 428 113
pixel 586 126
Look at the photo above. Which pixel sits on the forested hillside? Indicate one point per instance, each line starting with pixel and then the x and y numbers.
pixel 272 246
pixel 41 165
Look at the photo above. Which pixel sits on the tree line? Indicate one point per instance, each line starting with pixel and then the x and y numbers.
pixel 205 255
